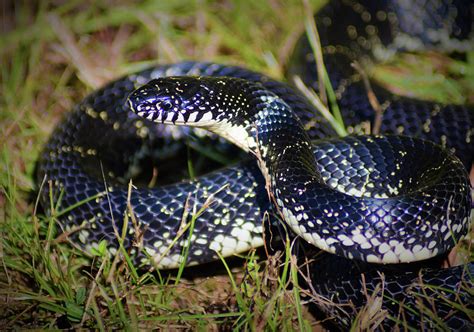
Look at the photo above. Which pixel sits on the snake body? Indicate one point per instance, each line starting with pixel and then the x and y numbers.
pixel 102 141
pixel 380 223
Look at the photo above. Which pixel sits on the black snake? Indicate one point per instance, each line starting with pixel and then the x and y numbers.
pixel 400 188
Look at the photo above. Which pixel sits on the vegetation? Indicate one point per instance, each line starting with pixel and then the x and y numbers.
pixel 55 52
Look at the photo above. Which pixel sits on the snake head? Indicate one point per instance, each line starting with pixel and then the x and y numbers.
pixel 171 100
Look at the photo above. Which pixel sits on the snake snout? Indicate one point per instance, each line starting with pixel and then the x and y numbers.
pixel 143 101
pixel 152 102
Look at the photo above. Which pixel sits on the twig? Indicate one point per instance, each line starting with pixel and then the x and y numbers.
pixel 374 102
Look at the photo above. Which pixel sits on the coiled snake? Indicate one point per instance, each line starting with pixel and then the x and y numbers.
pixel 379 199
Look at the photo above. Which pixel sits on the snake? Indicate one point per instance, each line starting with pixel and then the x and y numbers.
pixel 394 199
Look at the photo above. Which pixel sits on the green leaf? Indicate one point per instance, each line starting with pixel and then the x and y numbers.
pixel 74 311
pixel 81 295
pixel 101 249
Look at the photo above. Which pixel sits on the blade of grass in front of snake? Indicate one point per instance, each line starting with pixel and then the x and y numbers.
pixel 317 103
pixel 237 292
pixel 324 81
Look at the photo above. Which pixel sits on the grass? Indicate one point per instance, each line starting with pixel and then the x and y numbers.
pixel 430 76
pixel 53 54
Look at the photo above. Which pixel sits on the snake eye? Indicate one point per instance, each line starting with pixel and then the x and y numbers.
pixel 166 105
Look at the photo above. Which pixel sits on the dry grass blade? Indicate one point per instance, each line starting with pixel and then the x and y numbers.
pixel 87 72
pixel 318 53
pixel 371 315
pixel 320 107
pixel 374 102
